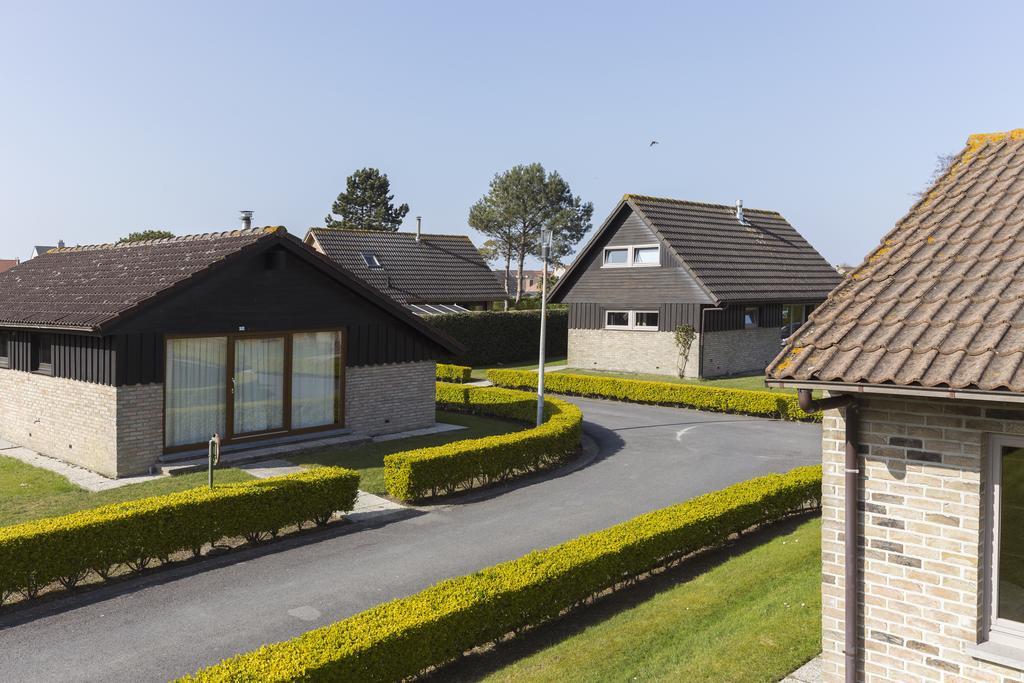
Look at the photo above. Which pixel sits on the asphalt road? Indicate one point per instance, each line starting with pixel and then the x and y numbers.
pixel 171 622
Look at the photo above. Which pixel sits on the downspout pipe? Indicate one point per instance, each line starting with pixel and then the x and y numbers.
pixel 848 405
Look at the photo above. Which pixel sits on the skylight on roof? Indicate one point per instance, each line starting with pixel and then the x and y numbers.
pixel 371 260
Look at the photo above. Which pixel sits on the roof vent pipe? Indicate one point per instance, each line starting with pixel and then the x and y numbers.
pixel 739 212
pixel 419 221
pixel 246 219
pixel 60 244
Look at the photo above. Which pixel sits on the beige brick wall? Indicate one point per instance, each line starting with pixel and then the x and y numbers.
pixel 740 351
pixel 78 421
pixel 652 353
pixel 380 399
pixel 921 551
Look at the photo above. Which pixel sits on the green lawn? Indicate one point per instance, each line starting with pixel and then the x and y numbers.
pixel 28 492
pixel 753 382
pixel 481 373
pixel 754 617
pixel 368 459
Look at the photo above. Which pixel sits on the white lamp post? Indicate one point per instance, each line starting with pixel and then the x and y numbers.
pixel 545 253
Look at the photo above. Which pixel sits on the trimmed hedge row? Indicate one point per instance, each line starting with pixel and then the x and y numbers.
pixel 716 399
pixel 453 373
pixel 492 337
pixel 401 638
pixel 410 475
pixel 134 533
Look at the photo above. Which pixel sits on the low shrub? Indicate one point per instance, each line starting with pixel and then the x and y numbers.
pixel 134 533
pixel 401 638
pixel 410 475
pixel 716 399
pixel 493 337
pixel 453 373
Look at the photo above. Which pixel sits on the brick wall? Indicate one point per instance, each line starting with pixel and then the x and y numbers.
pixel 652 353
pixel 921 548
pixel 740 351
pixel 380 399
pixel 140 427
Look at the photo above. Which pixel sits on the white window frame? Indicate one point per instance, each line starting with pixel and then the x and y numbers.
pixel 630 256
pixel 604 257
pixel 997 631
pixel 631 320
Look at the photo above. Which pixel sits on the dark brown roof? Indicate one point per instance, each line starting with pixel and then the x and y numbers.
pixel 436 269
pixel 940 302
pixel 89 288
pixel 764 260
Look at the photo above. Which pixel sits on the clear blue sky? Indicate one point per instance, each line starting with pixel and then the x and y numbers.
pixel 122 116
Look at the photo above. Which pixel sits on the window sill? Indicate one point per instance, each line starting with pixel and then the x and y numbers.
pixel 998 653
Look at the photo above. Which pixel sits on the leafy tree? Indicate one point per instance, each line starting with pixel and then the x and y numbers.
pixel 366 204
pixel 146 235
pixel 501 245
pixel 522 202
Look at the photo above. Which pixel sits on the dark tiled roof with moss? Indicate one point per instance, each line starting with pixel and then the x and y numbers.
pixel 940 302
pixel 443 269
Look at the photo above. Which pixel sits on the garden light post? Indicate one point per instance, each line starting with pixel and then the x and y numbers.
pixel 545 253
pixel 213 456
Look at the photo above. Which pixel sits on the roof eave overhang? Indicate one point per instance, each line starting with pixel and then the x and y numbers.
pixel 897 390
pixel 50 326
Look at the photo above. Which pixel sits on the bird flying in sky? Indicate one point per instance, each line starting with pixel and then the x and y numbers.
pixel 653 143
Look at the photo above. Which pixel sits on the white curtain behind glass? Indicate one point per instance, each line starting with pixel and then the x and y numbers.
pixel 315 365
pixel 259 384
pixel 195 389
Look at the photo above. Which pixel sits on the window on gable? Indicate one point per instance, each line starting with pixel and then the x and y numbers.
pixel 616 319
pixel 616 257
pixel 371 260
pixel 631 320
pixel 645 320
pixel 646 256
pixel 750 317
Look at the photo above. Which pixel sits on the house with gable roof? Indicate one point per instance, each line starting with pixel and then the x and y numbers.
pixel 120 357
pixel 922 350
pixel 740 279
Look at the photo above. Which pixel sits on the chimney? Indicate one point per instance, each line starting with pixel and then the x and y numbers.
pixel 419 222
pixel 246 220
pixel 739 212
pixel 60 244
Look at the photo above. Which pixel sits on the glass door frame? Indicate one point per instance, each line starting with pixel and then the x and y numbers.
pixel 229 436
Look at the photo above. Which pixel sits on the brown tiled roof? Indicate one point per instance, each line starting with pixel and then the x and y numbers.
pixel 764 260
pixel 88 286
pixel 940 302
pixel 7 264
pixel 436 269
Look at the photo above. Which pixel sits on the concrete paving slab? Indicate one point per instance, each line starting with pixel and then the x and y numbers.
pixel 809 673
pixel 271 468
pixel 87 479
pixel 438 428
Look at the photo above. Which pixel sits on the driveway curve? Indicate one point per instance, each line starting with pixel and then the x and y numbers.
pixel 174 621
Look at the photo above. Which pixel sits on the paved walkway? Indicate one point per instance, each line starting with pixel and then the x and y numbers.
pixel 170 622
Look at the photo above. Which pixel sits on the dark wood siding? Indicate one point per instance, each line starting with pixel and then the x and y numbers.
pixel 590 316
pixel 671 282
pixel 250 295
pixel 769 315
pixel 73 356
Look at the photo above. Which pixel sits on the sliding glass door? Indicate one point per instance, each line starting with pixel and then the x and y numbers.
pixel 258 385
pixel 195 390
pixel 245 385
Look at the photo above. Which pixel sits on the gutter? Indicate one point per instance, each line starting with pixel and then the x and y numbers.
pixel 898 390
pixel 848 404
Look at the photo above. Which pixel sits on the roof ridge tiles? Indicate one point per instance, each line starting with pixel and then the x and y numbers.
pixel 226 234
pixel 388 233
pixel 671 200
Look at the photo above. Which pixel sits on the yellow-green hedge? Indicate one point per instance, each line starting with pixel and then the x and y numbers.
pixel 67 548
pixel 716 399
pixel 453 373
pixel 411 475
pixel 401 638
